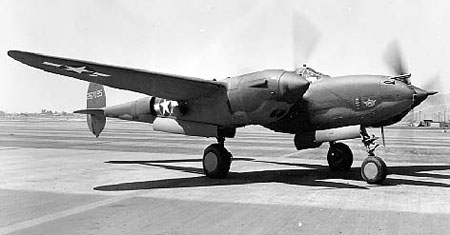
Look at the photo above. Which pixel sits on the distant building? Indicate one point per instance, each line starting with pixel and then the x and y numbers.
pixel 425 123
pixel 431 123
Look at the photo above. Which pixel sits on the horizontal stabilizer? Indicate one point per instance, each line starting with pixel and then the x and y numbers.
pixel 95 112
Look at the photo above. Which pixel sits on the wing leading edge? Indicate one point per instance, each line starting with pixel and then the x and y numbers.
pixel 166 86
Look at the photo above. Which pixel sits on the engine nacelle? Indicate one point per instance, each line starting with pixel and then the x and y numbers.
pixel 316 138
pixel 264 97
pixel 291 87
pixel 306 141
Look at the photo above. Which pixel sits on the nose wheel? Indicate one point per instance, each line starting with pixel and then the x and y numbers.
pixel 216 161
pixel 373 168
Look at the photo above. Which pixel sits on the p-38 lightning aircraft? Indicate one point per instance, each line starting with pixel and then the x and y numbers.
pixel 314 107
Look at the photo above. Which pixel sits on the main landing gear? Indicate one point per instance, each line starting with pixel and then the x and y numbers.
pixel 217 160
pixel 340 157
pixel 373 168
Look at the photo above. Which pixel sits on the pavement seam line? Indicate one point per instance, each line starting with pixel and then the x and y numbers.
pixel 76 210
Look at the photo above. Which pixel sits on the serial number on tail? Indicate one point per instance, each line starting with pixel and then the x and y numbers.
pixel 94 94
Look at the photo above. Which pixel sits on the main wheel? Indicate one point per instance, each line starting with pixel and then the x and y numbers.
pixel 216 161
pixel 373 170
pixel 340 157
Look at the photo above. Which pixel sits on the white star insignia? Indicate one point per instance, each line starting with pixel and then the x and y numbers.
pixel 165 108
pixel 77 69
pixel 370 103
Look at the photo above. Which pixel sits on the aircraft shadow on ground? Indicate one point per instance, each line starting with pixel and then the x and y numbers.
pixel 418 171
pixel 314 175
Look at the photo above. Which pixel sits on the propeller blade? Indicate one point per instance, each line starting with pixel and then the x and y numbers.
pixel 382 136
pixel 394 59
pixel 432 83
pixel 305 38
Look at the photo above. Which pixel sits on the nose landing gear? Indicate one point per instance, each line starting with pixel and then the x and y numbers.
pixel 373 168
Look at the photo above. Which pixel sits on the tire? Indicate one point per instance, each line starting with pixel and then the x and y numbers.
pixel 373 170
pixel 216 162
pixel 340 157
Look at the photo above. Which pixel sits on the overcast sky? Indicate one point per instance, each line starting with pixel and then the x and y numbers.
pixel 211 39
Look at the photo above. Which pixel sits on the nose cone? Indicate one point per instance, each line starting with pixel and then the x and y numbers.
pixel 420 95
pixel 292 86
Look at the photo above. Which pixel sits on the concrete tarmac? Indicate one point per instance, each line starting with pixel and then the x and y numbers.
pixel 57 178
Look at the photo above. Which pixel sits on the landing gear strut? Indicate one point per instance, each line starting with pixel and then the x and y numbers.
pixel 373 168
pixel 217 160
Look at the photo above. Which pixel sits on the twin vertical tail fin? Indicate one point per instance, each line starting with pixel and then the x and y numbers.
pixel 96 102
pixel 96 97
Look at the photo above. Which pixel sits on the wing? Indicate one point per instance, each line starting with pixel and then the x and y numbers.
pixel 166 86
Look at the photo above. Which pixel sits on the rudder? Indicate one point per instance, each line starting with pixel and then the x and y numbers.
pixel 96 99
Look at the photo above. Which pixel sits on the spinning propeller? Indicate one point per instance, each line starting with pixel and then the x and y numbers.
pixel 305 38
pixel 396 62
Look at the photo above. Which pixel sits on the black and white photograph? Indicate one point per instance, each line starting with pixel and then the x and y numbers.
pixel 224 117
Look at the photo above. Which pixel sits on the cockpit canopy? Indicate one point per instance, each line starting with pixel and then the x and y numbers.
pixel 310 74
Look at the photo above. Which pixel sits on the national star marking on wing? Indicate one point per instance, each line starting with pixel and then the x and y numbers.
pixel 77 69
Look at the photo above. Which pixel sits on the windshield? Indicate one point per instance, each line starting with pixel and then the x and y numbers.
pixel 309 74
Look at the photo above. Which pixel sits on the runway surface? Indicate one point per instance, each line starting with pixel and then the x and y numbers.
pixel 56 178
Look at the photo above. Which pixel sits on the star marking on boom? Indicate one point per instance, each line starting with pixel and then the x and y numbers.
pixel 165 108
